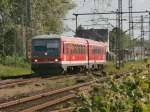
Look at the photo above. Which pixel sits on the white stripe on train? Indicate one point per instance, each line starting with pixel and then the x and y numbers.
pixel 84 62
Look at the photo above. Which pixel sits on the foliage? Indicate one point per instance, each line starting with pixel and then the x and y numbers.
pixel 111 68
pixel 92 102
pixel 128 94
pixel 47 14
pixel 21 22
pixel 113 37
pixel 17 61
pixel 13 71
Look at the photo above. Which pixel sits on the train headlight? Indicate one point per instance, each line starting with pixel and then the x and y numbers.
pixel 35 60
pixel 45 53
pixel 56 60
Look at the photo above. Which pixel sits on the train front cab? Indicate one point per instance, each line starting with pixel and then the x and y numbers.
pixel 46 55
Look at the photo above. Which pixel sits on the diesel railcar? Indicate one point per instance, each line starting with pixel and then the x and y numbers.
pixel 66 53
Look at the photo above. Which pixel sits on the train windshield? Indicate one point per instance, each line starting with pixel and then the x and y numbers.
pixel 45 47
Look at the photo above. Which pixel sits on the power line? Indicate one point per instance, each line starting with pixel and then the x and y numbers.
pixel 110 12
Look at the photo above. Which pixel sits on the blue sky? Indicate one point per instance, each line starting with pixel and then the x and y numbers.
pixel 99 6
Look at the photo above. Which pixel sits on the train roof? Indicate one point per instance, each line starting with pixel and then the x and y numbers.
pixel 82 40
pixel 70 39
pixel 46 36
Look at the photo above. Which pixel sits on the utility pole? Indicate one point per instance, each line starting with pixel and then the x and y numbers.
pixel 76 15
pixel 119 58
pixel 131 32
pixel 142 37
pixel 149 26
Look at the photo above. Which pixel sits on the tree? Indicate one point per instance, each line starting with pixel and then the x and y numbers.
pixel 21 23
pixel 124 39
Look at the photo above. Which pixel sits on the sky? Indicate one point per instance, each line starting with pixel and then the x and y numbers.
pixel 89 6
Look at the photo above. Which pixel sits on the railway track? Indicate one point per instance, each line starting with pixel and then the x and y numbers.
pixel 70 109
pixel 43 100
pixel 14 82
pixel 50 98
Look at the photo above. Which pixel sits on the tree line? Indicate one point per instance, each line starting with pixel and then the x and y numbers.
pixel 22 19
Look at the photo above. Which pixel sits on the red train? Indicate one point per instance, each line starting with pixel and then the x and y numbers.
pixel 63 53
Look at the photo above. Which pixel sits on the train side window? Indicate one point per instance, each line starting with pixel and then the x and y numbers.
pixel 80 49
pixel 67 50
pixel 83 49
pixel 102 51
pixel 93 51
pixel 96 50
pixel 72 48
pixel 77 49
pixel 99 50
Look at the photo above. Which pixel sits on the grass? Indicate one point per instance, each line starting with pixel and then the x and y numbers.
pixel 64 83
pixel 127 66
pixel 6 70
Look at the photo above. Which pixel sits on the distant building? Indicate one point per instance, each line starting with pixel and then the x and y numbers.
pixel 139 52
pixel 94 34
pixel 147 47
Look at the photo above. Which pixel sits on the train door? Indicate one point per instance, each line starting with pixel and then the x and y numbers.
pixel 66 52
pixel 88 55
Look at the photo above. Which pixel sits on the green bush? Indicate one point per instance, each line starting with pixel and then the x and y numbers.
pixel 145 60
pixel 15 61
pixel 128 94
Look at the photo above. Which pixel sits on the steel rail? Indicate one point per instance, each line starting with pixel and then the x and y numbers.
pixel 31 98
pixel 17 82
pixel 50 103
pixel 64 110
pixel 12 83
pixel 8 81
